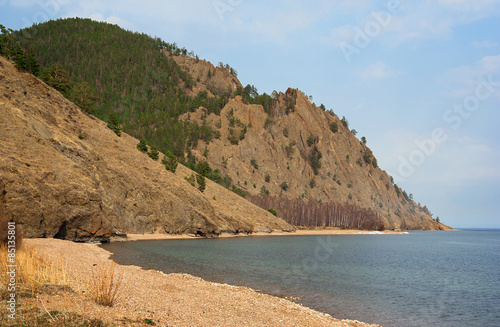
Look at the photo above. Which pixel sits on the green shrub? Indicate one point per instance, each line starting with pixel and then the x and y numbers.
pixel 253 162
pixel 191 179
pixel 310 140
pixel 367 156
pixel 334 127
pixel 202 183
pixel 142 145
pixel 289 149
pixel 243 132
pixel 345 122
pixel 83 96
pixel 273 211
pixel 233 137
pixel 312 183
pixel 153 153
pixel 57 78
pixel 239 191
pixel 203 168
pixel 114 123
pixel 170 162
pixel 314 159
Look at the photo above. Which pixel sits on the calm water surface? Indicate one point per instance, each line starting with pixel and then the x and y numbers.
pixel 420 279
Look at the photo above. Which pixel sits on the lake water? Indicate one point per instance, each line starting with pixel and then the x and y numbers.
pixel 430 278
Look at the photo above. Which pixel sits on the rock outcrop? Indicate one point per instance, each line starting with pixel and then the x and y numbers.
pixel 64 174
pixel 300 151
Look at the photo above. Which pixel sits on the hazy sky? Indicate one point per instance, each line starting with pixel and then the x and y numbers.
pixel 419 79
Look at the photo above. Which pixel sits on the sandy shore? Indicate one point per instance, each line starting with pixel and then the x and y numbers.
pixel 172 299
pixel 141 237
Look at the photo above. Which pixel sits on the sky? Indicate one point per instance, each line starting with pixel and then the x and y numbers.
pixel 419 79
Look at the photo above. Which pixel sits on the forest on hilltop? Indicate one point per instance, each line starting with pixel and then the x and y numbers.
pixel 128 75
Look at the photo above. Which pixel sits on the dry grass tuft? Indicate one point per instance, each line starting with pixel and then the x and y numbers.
pixel 33 317
pixel 33 271
pixel 33 275
pixel 104 284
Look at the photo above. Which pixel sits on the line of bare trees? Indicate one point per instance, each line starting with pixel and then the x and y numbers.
pixel 311 213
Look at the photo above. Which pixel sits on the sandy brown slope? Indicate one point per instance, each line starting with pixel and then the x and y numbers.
pixel 56 184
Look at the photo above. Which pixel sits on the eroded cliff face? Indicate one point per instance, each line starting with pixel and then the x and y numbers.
pixel 65 174
pixel 261 152
pixel 213 80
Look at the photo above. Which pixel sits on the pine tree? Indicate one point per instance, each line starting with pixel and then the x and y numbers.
pixel 314 158
pixel 114 123
pixel 170 161
pixel 83 96
pixel 142 145
pixel 58 78
pixel 17 55
pixel 33 65
pixel 153 153
pixel 6 41
pixel 202 184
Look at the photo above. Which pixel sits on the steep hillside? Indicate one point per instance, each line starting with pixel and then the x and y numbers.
pixel 65 174
pixel 280 149
pixel 293 153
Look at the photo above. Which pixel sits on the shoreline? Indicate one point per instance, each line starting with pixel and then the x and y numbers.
pixel 171 299
pixel 299 232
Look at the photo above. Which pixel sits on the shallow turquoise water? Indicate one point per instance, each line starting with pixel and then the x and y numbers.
pixel 420 279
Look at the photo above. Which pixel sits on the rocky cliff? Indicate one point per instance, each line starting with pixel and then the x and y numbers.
pixel 299 151
pixel 64 174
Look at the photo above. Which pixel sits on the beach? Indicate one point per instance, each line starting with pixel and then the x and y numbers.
pixel 308 232
pixel 168 299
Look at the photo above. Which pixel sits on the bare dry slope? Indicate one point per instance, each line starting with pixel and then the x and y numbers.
pixel 64 174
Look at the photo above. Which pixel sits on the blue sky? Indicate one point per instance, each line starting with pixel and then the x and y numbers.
pixel 419 79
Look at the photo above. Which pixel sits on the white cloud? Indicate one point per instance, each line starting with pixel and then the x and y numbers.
pixel 457 161
pixel 112 20
pixel 378 70
pixel 461 81
pixel 416 21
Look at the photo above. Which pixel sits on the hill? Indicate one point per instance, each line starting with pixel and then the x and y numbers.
pixel 65 174
pixel 277 150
